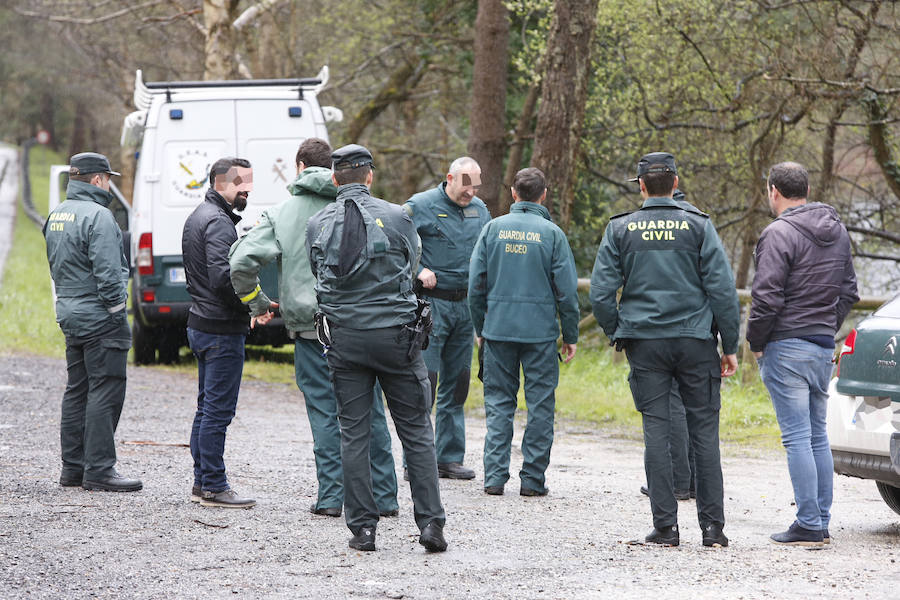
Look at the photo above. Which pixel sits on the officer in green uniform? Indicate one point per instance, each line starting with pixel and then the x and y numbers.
pixel 522 275
pixel 364 252
pixel 280 235
pixel 90 275
pixel 449 218
pixel 676 282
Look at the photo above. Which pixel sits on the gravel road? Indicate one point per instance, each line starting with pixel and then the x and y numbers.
pixel 68 543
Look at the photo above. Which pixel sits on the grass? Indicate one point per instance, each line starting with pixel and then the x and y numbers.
pixel 593 388
pixel 27 315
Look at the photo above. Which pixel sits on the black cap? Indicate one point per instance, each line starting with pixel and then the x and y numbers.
pixel 85 163
pixel 351 157
pixel 655 162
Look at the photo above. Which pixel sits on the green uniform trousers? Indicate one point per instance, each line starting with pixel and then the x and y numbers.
pixel 92 402
pixel 449 359
pixel 501 386
pixel 311 371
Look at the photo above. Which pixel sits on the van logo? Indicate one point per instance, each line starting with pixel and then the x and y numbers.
pixel 887 355
pixel 279 168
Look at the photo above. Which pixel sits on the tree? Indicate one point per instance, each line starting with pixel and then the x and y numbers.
pixel 487 116
pixel 561 113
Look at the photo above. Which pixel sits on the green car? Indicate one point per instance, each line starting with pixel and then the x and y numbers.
pixel 864 403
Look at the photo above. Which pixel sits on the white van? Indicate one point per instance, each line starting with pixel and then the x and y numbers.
pixel 179 130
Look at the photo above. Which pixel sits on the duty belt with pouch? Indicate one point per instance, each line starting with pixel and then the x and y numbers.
pixel 452 295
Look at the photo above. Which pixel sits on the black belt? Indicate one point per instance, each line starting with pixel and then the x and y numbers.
pixel 452 295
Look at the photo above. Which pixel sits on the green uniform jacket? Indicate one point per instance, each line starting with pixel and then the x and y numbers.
pixel 523 273
pixel 448 233
pixel 280 235
pixel 674 275
pixel 376 291
pixel 88 267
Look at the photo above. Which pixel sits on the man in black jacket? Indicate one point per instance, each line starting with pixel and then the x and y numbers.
pixel 803 289
pixel 217 326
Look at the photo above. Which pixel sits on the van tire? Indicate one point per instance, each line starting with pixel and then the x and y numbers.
pixel 144 343
pixel 890 495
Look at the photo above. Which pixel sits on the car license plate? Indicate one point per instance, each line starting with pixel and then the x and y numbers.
pixel 176 275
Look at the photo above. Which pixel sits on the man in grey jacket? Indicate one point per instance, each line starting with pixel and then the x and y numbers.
pixel 84 248
pixel 803 290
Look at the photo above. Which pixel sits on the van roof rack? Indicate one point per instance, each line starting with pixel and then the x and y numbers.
pixel 173 85
pixel 144 92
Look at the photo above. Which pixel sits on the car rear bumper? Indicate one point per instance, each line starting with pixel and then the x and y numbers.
pixel 860 430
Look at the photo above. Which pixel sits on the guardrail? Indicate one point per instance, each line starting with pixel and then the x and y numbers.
pixel 865 303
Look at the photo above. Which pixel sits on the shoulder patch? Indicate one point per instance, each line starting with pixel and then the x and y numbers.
pixel 408 208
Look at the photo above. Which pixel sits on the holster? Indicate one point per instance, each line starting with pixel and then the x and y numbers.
pixel 323 331
pixel 420 328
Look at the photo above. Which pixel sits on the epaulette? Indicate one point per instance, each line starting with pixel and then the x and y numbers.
pixel 624 214
pixel 696 211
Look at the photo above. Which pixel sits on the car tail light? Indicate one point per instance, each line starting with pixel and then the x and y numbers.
pixel 148 296
pixel 848 348
pixel 144 259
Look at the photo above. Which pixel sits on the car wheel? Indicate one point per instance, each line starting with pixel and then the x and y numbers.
pixel 890 495
pixel 144 343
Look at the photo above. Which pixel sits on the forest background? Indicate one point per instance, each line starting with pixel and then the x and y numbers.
pixel 579 88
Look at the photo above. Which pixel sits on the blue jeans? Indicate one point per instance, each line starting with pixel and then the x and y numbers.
pixel 796 373
pixel 220 362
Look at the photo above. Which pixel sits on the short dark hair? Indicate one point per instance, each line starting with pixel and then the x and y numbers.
pixel 223 165
pixel 83 177
pixel 790 179
pixel 314 152
pixel 357 175
pixel 659 184
pixel 529 184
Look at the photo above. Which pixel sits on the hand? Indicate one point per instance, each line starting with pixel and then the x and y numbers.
pixel 729 365
pixel 479 341
pixel 568 351
pixel 427 277
pixel 265 317
pixel 757 355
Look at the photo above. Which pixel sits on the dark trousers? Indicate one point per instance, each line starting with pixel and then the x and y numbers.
pixel 311 371
pixel 220 362
pixel 695 366
pixel 357 359
pixel 92 402
pixel 680 443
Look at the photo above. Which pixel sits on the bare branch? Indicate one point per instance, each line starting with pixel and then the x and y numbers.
pixel 253 13
pixel 86 21
pixel 885 235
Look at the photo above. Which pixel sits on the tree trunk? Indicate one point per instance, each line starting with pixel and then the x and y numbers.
pixel 79 130
pixel 487 116
pixel 564 93
pixel 517 148
pixel 221 40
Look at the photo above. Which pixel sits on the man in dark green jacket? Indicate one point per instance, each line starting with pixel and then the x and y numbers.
pixel 449 218
pixel 280 235
pixel 676 282
pixel 521 276
pixel 90 275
